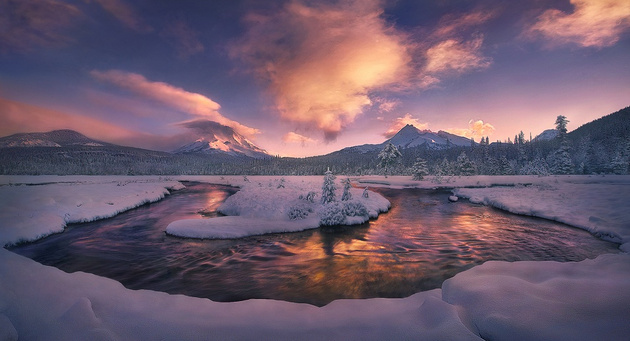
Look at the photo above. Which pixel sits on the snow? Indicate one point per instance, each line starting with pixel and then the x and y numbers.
pixel 34 209
pixel 587 300
pixel 584 300
pixel 261 207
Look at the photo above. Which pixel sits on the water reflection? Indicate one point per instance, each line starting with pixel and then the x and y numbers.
pixel 417 245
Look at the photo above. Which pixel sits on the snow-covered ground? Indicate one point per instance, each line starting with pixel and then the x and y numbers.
pixel 497 300
pixel 280 205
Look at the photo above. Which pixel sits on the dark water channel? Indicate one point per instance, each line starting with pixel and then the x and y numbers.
pixel 422 241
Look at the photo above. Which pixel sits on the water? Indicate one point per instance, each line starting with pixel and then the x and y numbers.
pixel 422 241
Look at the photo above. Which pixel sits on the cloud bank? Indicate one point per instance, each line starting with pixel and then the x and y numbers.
pixel 593 23
pixel 177 98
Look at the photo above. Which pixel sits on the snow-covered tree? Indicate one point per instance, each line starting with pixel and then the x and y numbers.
pixel 389 157
pixel 346 190
pixel 619 164
pixel 561 159
pixel 365 193
pixel 328 188
pixel 464 165
pixel 419 169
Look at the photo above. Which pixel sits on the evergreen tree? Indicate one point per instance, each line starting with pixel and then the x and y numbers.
pixel 389 157
pixel 346 190
pixel 328 188
pixel 561 126
pixel 419 169
pixel 464 165
pixel 619 164
pixel 562 163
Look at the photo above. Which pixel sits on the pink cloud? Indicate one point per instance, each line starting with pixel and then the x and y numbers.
pixel 189 102
pixel 292 137
pixel 399 122
pixel 322 60
pixel 593 23
pixel 456 56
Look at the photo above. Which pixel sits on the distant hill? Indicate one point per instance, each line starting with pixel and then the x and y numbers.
pixel 546 135
pixel 55 138
pixel 608 129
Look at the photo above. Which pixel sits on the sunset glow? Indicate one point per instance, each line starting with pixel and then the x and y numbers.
pixel 302 78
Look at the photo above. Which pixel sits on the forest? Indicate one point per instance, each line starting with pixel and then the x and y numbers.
pixel 598 147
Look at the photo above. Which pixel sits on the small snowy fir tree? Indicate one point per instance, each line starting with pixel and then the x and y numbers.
pixel 366 193
pixel 389 157
pixel 464 165
pixel 419 169
pixel 328 188
pixel 346 190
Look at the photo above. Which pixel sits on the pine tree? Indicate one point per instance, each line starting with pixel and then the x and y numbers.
pixel 562 163
pixel 346 190
pixel 328 188
pixel 389 157
pixel 419 169
pixel 561 125
pixel 464 165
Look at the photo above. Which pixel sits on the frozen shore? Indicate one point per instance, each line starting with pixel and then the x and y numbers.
pixel 496 300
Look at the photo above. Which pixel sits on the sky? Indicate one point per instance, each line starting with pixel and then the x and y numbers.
pixel 302 78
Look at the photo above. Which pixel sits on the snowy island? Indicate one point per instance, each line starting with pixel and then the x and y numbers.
pixel 524 300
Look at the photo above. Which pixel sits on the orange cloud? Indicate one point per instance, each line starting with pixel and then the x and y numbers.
pixel 322 60
pixel 399 122
pixel 177 98
pixel 292 137
pixel 27 24
pixel 476 129
pixel 593 23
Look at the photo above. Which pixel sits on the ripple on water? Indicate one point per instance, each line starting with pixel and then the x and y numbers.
pixel 422 241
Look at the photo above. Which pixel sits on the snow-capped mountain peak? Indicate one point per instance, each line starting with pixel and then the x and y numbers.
pixel 410 136
pixel 217 138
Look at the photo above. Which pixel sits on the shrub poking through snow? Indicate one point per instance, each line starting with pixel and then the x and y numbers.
pixel 365 193
pixel 328 188
pixel 346 190
pixel 354 209
pixel 300 211
pixel 332 214
pixel 281 184
pixel 310 196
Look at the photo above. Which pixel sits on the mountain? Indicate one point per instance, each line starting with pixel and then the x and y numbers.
pixel 55 138
pixel 410 136
pixel 220 139
pixel 546 135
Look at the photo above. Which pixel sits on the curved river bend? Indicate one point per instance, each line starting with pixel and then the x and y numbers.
pixel 422 241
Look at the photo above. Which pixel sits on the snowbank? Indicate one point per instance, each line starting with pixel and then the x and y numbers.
pixel 43 303
pixel 274 205
pixel 588 300
pixel 31 210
